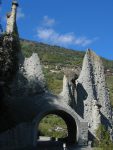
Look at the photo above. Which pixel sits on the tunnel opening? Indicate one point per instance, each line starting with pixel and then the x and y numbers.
pixel 52 127
pixel 70 128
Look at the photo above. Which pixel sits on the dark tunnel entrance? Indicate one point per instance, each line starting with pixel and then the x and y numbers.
pixel 70 122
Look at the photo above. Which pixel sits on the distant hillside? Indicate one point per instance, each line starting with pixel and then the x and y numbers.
pixel 54 59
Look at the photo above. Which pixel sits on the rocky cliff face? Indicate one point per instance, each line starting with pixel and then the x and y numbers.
pixel 32 71
pixel 29 79
pixel 11 18
pixel 88 94
pixel 69 92
pixel 92 79
pixel 9 49
pixel 9 52
pixel 19 77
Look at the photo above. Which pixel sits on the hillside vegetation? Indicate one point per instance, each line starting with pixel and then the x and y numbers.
pixel 53 126
pixel 54 59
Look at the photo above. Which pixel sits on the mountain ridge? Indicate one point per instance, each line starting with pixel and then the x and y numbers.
pixel 36 42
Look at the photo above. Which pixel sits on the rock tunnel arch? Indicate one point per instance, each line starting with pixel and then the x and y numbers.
pixel 67 115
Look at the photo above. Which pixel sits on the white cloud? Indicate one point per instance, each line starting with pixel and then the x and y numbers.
pixel 47 33
pixel 66 38
pixel 48 22
pixel 20 14
pixel 53 37
pixel 83 41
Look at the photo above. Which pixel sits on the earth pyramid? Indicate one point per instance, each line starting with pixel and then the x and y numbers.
pixel 83 103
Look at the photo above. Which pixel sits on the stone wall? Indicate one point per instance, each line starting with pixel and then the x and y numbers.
pixel 83 134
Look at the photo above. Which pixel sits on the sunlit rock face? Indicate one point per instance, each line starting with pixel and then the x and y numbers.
pixel 69 92
pixel 32 71
pixel 11 18
pixel 65 92
pixel 92 79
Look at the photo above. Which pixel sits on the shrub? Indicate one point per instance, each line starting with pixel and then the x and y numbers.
pixel 103 139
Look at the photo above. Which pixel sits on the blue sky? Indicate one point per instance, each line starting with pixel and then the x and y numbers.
pixel 75 24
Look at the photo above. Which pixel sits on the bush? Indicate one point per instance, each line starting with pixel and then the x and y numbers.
pixel 103 139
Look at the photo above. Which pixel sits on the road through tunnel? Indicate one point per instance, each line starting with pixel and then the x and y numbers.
pixel 69 120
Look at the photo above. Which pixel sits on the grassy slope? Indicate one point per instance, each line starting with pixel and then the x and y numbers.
pixel 109 80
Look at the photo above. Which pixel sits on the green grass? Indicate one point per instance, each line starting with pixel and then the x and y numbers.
pixel 48 125
pixel 103 139
pixel 54 81
pixel 109 80
pixel 52 55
